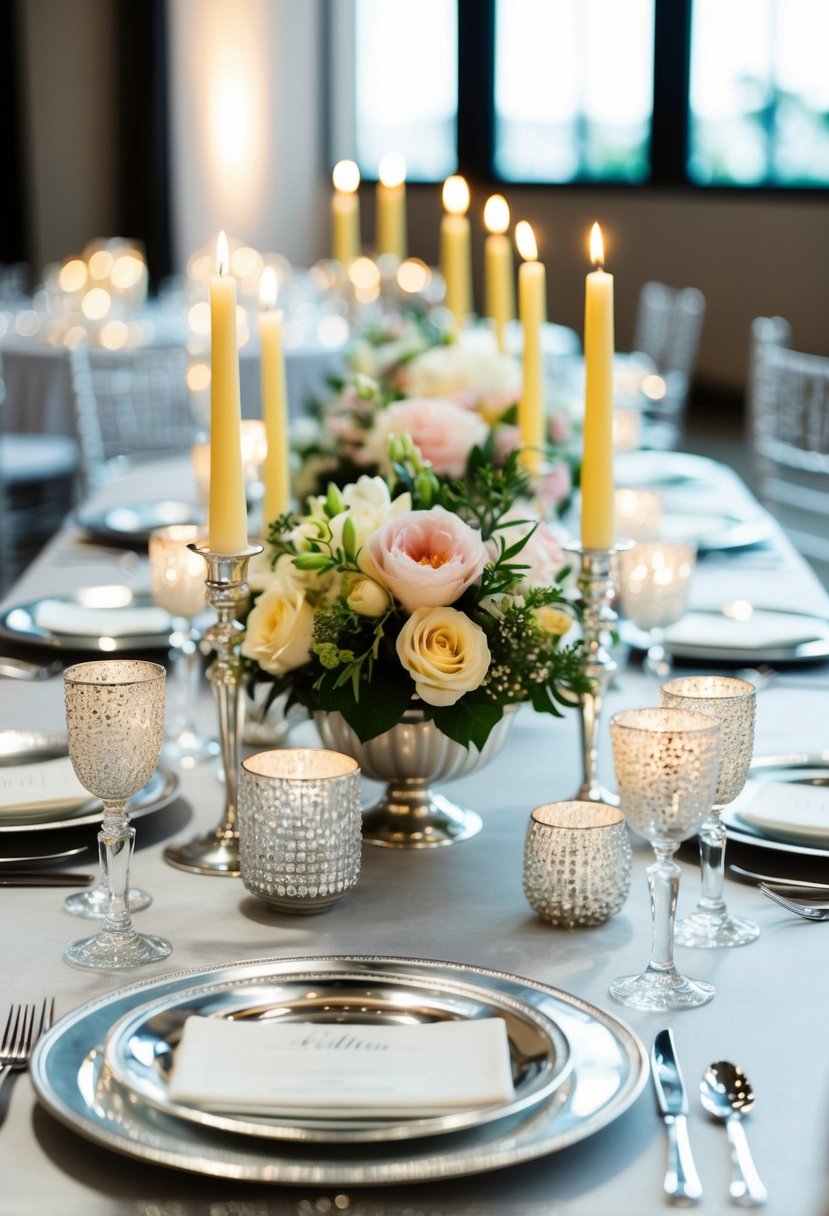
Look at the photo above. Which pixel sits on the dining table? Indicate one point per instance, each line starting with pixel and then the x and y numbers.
pixel 462 904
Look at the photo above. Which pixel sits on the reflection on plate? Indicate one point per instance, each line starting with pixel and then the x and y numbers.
pixel 133 523
pixel 99 619
pixel 610 1069
pixel 803 770
pixel 27 747
pixel 714 530
pixel 140 1049
pixel 739 633
pixel 662 469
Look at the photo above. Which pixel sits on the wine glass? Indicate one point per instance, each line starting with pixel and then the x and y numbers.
pixel 178 586
pixel 667 762
pixel 734 703
pixel 114 724
pixel 654 583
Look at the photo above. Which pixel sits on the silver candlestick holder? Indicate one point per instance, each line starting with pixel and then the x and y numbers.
pixel 227 590
pixel 597 585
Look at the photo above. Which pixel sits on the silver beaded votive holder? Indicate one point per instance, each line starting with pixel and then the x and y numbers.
pixel 300 827
pixel 577 863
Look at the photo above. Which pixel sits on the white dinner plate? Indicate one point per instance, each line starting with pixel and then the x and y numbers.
pixel 100 620
pixel 717 635
pixel 660 470
pixel 790 833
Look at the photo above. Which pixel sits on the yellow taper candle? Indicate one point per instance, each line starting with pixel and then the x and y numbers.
pixel 597 530
pixel 532 312
pixel 499 271
pixel 455 248
pixel 228 531
pixel 345 212
pixel 276 474
pixel 391 206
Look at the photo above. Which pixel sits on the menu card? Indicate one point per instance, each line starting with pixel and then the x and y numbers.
pixel 305 1068
pixel 49 784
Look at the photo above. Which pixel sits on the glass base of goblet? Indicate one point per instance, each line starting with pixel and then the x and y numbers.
pixel 708 931
pixel 189 749
pixel 108 951
pixel 661 991
pixel 93 904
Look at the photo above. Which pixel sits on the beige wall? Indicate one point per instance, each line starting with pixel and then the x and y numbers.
pixel 67 68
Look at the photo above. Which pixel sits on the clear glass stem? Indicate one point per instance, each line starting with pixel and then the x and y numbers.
pixel 663 883
pixel 657 661
pixel 183 679
pixel 115 844
pixel 712 838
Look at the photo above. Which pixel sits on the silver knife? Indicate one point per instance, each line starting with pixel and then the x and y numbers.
pixel 45 878
pixel 681 1178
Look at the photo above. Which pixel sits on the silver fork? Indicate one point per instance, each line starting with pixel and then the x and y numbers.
pixel 817 910
pixel 20 1036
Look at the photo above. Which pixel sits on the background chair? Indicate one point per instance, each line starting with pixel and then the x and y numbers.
pixel 789 421
pixel 667 329
pixel 129 405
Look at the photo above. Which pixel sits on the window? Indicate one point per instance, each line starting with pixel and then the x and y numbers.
pixel 704 93
pixel 406 85
pixel 573 89
pixel 759 93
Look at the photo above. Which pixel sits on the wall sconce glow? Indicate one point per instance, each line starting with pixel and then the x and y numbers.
pixel 596 246
pixel 346 176
pixel 268 287
pixel 526 242
pixel 392 171
pixel 496 214
pixel 456 195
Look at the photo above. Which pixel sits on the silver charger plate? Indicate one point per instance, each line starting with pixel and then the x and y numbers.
pixel 19 623
pixel 610 1069
pixel 29 747
pixel 662 470
pixel 139 1051
pixel 133 522
pixel 803 769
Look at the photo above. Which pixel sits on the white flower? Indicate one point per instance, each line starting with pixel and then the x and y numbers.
pixel 367 503
pixel 470 371
pixel 368 598
pixel 280 630
pixel 444 652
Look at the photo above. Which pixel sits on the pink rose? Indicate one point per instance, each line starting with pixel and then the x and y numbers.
pixel 556 484
pixel 559 428
pixel 426 558
pixel 542 555
pixel 507 439
pixel 444 432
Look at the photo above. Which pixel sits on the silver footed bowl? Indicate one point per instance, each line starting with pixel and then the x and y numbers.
pixel 410 758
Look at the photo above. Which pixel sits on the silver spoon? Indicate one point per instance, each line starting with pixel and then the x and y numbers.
pixel 726 1093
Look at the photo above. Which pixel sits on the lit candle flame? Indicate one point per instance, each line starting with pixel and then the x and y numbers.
pixel 496 214
pixel 456 195
pixel 596 246
pixel 222 256
pixel 525 240
pixel 392 170
pixel 346 176
pixel 267 287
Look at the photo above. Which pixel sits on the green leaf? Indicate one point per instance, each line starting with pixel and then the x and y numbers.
pixel 350 537
pixel 467 721
pixel 372 714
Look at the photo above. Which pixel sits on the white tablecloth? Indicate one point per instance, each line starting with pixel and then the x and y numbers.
pixel 463 903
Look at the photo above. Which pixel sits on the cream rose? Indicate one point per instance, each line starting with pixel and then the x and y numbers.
pixel 444 652
pixel 368 598
pixel 426 558
pixel 280 630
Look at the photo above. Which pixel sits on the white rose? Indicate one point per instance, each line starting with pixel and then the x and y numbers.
pixel 280 630
pixel 368 598
pixel 444 652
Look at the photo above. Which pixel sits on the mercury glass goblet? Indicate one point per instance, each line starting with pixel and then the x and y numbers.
pixel 654 582
pixel 177 581
pixel 114 725
pixel 667 762
pixel 733 702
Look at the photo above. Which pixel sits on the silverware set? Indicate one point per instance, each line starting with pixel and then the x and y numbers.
pixel 807 899
pixel 24 871
pixel 23 1029
pixel 726 1094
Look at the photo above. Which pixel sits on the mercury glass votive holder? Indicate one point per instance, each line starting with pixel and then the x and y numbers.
pixel 300 821
pixel 654 584
pixel 577 863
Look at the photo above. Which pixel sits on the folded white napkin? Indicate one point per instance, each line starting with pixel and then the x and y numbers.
pixel 80 621
pixel 48 785
pixel 788 811
pixel 307 1068
pixel 761 631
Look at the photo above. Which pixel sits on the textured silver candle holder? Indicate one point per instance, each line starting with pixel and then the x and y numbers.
pixel 227 590
pixel 597 585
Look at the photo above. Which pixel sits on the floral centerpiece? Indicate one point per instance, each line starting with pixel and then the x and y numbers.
pixel 411 590
pixel 451 398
